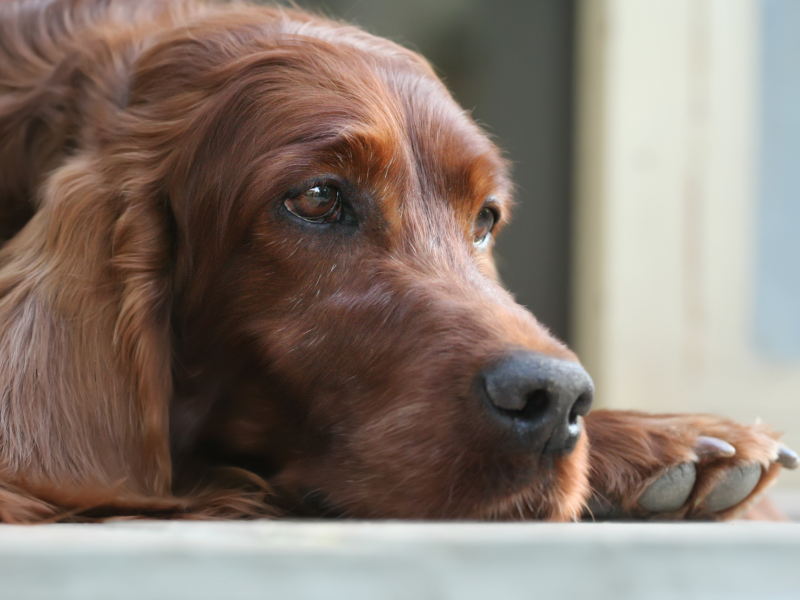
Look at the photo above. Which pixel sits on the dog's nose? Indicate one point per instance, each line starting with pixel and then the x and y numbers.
pixel 538 399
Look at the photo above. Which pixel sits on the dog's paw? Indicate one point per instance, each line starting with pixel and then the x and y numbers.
pixel 682 467
pixel 717 482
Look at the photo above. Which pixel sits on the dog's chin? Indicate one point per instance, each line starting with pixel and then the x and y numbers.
pixel 524 505
pixel 551 490
pixel 557 493
pixel 547 502
pixel 540 502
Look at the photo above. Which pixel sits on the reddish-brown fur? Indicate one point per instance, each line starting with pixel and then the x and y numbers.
pixel 171 344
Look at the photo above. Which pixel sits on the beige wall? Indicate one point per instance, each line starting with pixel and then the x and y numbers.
pixel 665 209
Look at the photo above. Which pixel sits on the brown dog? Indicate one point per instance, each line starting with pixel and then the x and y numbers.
pixel 247 271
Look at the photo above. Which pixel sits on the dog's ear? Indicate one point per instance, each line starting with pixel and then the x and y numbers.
pixel 85 340
pixel 35 126
pixel 85 373
pixel 142 249
pixel 43 123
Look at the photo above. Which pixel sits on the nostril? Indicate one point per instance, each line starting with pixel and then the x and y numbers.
pixel 534 406
pixel 537 404
pixel 580 408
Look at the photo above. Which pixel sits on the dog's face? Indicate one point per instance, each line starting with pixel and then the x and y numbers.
pixel 338 322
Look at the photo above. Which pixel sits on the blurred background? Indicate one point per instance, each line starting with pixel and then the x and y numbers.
pixel 656 149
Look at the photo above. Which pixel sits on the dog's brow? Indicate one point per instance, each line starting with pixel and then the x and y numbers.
pixel 374 159
pixel 370 156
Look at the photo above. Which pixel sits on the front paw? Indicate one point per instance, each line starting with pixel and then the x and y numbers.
pixel 680 466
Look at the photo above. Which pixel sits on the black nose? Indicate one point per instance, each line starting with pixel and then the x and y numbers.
pixel 538 399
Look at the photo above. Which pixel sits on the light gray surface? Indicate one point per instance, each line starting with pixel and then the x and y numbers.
pixel 371 561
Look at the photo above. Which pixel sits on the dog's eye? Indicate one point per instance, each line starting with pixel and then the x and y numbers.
pixel 484 224
pixel 319 204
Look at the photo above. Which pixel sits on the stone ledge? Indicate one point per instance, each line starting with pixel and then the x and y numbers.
pixel 392 560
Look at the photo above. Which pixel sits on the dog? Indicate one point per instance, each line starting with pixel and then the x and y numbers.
pixel 246 272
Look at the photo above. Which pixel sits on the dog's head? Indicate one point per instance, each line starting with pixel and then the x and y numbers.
pixel 313 215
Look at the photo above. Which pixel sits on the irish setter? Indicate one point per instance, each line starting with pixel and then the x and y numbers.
pixel 246 271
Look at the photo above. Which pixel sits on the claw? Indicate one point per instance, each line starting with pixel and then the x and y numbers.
pixel 787 458
pixel 710 447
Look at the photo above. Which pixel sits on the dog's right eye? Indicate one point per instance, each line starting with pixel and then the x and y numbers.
pixel 318 204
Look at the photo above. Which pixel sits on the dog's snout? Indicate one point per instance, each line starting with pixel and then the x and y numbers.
pixel 538 399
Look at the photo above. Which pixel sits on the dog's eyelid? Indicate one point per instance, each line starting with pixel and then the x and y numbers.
pixel 308 184
pixel 495 205
pixel 483 243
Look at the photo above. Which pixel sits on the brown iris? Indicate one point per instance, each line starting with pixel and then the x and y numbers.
pixel 484 224
pixel 318 204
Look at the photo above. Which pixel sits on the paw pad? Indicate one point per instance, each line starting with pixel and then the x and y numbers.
pixel 670 491
pixel 736 486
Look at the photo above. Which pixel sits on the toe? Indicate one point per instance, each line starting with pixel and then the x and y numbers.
pixel 670 491
pixel 736 486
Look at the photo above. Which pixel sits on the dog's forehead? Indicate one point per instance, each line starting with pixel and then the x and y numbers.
pixel 454 158
pixel 408 120
pixel 417 148
pixel 418 138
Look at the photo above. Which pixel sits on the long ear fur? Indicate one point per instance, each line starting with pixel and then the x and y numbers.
pixel 54 71
pixel 85 346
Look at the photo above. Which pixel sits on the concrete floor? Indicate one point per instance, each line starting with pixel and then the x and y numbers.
pixel 393 560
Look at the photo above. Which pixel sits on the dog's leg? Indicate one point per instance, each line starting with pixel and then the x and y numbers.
pixel 678 466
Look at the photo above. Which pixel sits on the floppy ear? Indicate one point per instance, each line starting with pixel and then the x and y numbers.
pixel 34 125
pixel 43 117
pixel 84 344
pixel 142 248
pixel 85 349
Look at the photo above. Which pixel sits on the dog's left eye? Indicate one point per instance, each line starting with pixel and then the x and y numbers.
pixel 484 224
pixel 318 204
